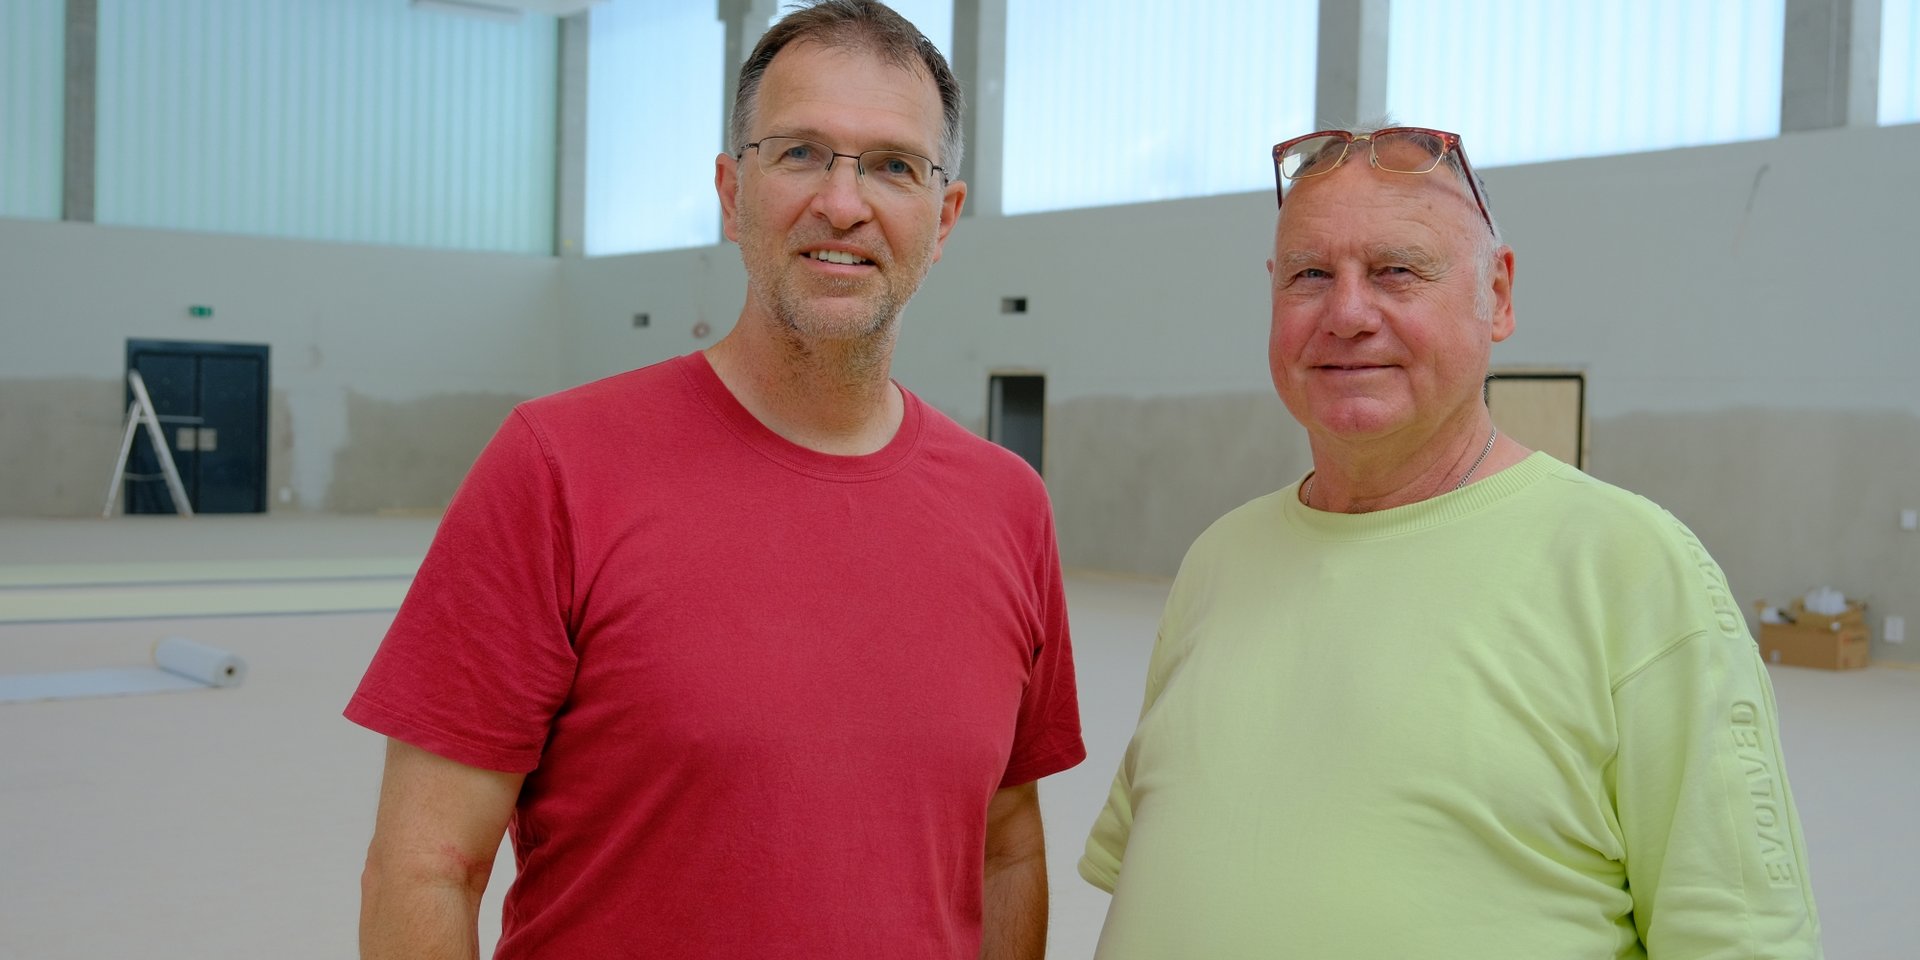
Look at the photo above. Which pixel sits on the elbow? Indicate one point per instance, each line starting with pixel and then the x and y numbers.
pixel 1011 857
pixel 395 872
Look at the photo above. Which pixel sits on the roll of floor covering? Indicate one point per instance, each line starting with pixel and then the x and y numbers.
pixel 179 664
pixel 197 661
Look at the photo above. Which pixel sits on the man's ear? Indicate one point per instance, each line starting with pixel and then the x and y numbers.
pixel 951 201
pixel 726 182
pixel 1500 280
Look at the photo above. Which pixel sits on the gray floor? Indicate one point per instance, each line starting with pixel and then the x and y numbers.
pixel 231 823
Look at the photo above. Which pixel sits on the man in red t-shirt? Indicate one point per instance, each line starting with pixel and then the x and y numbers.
pixel 752 652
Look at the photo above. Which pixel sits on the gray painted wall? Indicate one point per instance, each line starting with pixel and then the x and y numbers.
pixel 1744 314
pixel 390 366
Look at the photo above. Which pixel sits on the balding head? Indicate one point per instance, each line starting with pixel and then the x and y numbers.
pixel 1389 290
pixel 1429 160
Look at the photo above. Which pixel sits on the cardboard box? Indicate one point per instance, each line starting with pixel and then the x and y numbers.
pixel 1827 642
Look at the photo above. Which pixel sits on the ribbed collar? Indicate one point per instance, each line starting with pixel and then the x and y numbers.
pixel 726 408
pixel 1446 508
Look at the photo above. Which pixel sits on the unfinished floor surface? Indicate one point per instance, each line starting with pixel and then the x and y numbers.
pixel 231 823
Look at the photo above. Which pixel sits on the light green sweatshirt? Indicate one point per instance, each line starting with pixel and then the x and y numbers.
pixel 1521 720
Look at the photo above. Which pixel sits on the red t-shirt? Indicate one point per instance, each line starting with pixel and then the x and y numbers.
pixel 763 694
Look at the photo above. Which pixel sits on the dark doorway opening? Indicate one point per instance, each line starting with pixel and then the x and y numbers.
pixel 212 402
pixel 1017 415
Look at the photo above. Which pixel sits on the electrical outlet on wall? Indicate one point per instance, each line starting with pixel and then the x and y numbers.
pixel 1895 630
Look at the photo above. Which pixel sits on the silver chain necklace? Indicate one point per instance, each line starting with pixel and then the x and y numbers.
pixel 1306 492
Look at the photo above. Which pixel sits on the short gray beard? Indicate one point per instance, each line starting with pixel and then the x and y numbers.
pixel 790 311
pixel 868 346
pixel 871 343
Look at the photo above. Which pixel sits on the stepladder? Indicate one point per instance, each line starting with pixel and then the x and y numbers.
pixel 140 412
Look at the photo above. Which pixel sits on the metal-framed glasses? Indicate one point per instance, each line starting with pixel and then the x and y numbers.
pixel 1393 149
pixel 894 171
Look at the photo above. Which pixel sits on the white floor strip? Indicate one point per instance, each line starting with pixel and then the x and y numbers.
pixel 17 576
pixel 146 602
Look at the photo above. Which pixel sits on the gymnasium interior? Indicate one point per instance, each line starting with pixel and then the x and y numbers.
pixel 321 248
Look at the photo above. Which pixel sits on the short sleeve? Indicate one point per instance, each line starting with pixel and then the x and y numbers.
pixel 1107 844
pixel 1047 737
pixel 479 658
pixel 1112 830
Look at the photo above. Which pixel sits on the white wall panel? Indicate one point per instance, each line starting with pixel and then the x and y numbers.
pixel 32 88
pixel 349 120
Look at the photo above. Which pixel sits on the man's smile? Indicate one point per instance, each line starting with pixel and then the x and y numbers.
pixel 843 257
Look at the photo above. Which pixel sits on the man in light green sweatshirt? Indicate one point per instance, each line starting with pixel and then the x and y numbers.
pixel 1446 697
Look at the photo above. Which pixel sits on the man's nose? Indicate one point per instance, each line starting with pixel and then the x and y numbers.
pixel 842 197
pixel 1351 311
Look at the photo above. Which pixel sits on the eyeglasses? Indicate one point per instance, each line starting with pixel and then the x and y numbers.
pixel 895 171
pixel 1393 149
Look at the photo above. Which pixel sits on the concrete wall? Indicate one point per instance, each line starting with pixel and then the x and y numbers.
pixel 390 366
pixel 1744 314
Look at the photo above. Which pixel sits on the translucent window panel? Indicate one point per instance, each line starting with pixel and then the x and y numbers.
pixel 1899 61
pixel 353 120
pixel 1523 81
pixel 656 74
pixel 933 18
pixel 650 156
pixel 1168 100
pixel 32 91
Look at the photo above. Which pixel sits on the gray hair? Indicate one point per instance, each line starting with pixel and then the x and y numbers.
pixel 863 25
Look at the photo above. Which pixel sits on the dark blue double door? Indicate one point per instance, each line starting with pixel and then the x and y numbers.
pixel 212 402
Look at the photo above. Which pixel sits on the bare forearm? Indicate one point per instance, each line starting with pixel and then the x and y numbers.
pixel 435 838
pixel 412 919
pixel 1014 909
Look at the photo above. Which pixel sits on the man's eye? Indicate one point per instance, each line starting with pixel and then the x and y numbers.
pixel 798 153
pixel 895 167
